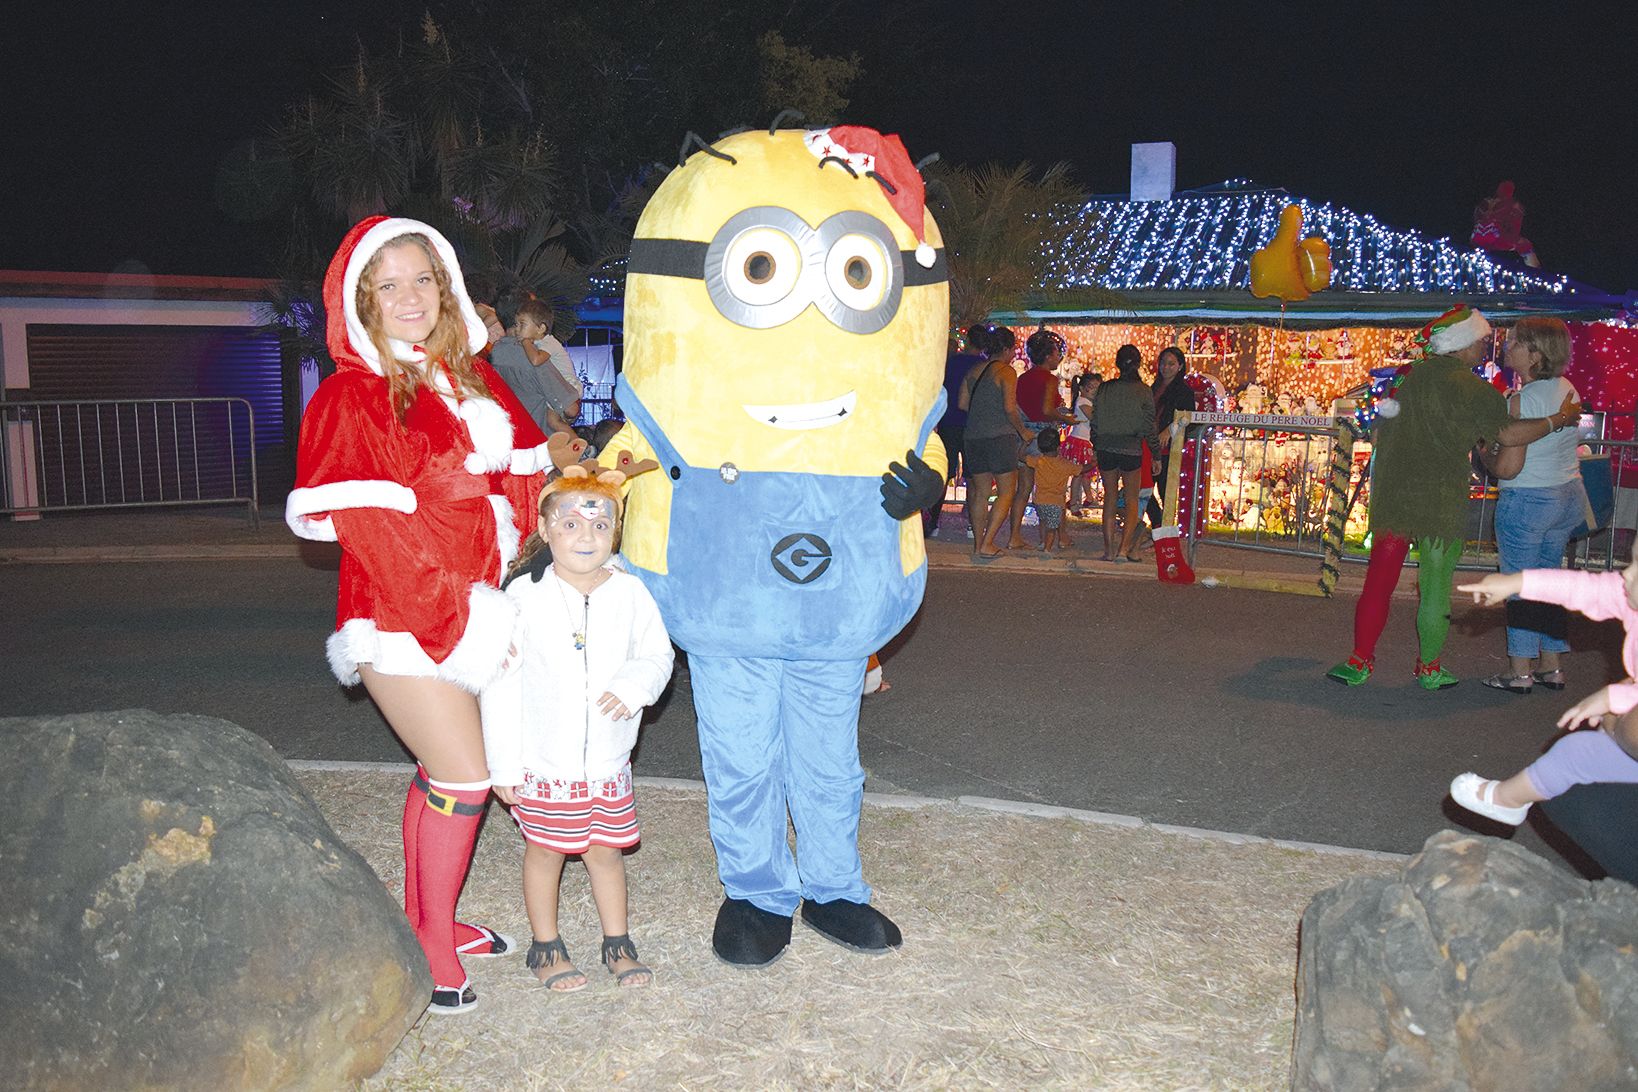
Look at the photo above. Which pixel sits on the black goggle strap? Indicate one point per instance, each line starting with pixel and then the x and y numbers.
pixel 686 258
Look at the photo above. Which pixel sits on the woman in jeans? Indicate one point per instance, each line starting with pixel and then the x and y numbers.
pixel 1539 507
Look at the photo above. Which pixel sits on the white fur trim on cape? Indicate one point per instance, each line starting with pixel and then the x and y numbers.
pixel 1459 335
pixel 491 432
pixel 506 530
pixel 477 334
pixel 530 460
pixel 302 504
pixel 473 664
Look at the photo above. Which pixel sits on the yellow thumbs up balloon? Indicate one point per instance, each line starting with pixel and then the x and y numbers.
pixel 1315 263
pixel 1290 268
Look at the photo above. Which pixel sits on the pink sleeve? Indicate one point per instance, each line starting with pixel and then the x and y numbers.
pixel 1600 596
pixel 1623 697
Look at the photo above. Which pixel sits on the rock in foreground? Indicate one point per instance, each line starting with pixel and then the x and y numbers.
pixel 178 914
pixel 1480 966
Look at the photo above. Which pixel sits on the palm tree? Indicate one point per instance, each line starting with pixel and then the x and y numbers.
pixel 423 130
pixel 1000 227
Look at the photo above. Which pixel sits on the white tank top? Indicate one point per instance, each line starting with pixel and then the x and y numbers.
pixel 1550 460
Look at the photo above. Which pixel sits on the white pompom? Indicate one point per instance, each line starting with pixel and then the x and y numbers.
pixel 925 256
pixel 1388 407
pixel 476 464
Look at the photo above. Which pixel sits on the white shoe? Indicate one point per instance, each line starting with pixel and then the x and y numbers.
pixel 1477 794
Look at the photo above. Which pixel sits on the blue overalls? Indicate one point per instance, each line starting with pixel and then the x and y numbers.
pixel 780 586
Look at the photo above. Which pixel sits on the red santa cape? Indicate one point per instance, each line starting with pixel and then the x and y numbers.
pixel 428 511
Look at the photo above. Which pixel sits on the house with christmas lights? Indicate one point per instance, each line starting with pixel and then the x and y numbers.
pixel 1181 262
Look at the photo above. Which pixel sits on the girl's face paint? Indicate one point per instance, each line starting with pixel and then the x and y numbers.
pixel 579 527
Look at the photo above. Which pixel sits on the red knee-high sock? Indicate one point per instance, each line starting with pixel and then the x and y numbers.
pixel 445 834
pixel 415 802
pixel 1388 552
pixel 414 805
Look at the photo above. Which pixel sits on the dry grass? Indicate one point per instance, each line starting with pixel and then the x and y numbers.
pixel 1073 956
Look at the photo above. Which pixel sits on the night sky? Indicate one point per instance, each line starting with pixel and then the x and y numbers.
pixel 115 117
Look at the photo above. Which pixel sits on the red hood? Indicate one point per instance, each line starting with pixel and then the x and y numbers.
pixel 349 345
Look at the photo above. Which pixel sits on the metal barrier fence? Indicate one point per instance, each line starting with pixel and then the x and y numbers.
pixel 1265 488
pixel 1259 486
pixel 596 403
pixel 127 453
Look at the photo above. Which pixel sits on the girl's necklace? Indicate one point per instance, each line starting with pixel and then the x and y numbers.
pixel 579 635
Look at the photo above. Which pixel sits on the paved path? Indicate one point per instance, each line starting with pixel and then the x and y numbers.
pixel 1195 706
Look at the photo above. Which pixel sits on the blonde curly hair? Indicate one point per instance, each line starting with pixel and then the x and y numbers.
pixel 446 343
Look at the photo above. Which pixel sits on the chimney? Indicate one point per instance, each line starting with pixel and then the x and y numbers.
pixel 1154 171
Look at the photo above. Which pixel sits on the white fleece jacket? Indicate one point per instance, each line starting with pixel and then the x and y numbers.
pixel 541 715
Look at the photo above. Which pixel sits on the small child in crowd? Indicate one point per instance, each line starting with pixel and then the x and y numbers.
pixel 558 756
pixel 1579 758
pixel 528 369
pixel 1052 474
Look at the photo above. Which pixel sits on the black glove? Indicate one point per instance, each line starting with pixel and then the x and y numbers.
pixel 907 490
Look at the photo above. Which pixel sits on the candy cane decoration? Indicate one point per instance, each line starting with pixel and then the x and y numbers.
pixel 1336 507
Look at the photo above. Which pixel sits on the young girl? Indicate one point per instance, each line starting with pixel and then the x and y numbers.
pixel 1077 446
pixel 560 723
pixel 1581 757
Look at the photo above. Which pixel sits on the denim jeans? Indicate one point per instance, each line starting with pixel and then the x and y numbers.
pixel 1533 529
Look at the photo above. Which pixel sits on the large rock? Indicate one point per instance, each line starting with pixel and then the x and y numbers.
pixel 1480 966
pixel 177 914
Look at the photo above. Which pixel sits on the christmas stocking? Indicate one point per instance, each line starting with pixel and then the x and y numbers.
pixel 1170 564
pixel 469 939
pixel 444 836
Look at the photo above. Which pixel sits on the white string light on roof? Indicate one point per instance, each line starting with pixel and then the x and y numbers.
pixel 1204 240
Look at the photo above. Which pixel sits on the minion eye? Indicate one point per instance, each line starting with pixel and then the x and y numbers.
pixel 762 265
pixel 857 271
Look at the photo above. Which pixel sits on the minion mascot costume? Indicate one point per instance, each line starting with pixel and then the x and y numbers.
pixel 786 311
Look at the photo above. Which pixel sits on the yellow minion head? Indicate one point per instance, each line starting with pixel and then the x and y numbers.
pixel 787 303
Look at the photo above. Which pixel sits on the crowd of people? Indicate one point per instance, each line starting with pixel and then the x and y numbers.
pixel 479 559
pixel 1018 444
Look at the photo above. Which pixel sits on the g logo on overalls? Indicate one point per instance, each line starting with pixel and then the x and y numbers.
pixel 801 558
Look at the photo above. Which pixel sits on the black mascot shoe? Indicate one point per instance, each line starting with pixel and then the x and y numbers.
pixel 852 925
pixel 749 936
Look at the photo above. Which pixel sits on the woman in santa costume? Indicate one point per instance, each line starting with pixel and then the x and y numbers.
pixel 419 461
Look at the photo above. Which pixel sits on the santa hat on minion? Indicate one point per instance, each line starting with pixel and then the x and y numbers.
pixel 350 344
pixel 865 150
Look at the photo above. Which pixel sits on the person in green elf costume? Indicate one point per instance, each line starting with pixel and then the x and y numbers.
pixel 1419 488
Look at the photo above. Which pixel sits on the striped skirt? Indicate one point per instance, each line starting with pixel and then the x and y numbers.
pixel 571 816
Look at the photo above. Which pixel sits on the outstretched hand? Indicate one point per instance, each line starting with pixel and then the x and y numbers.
pixel 1588 712
pixel 906 490
pixel 1494 588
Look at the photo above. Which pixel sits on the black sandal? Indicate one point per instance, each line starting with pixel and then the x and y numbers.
pixel 548 953
pixel 621 947
pixel 1552 680
pixel 1513 684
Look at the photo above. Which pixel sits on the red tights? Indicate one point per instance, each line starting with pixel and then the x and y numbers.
pixel 1388 552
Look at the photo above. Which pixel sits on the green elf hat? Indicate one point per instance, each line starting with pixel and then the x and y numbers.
pixel 1457 328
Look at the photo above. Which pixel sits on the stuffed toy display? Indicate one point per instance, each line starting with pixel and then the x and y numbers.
pixel 787 305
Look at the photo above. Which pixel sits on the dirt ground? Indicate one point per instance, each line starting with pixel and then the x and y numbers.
pixel 1039 953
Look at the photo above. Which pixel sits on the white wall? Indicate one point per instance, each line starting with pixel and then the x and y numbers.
pixel 17 312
